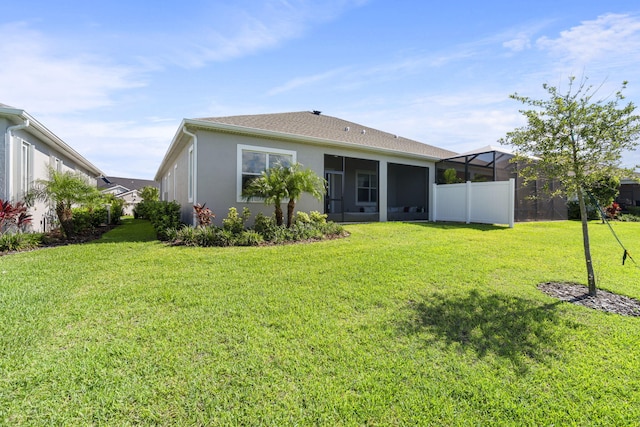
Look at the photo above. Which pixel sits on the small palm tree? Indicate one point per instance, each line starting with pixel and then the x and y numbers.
pixel 63 189
pixel 285 182
pixel 299 181
pixel 270 187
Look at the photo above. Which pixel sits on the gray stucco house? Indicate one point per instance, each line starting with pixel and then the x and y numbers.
pixel 27 152
pixel 372 175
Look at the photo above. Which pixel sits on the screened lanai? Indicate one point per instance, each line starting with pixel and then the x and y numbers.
pixel 494 164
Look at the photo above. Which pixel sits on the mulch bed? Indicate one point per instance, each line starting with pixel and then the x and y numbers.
pixel 604 300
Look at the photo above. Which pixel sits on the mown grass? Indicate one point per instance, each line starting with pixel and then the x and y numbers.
pixel 399 324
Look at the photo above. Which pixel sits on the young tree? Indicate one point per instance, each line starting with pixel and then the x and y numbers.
pixel 63 189
pixel 299 181
pixel 577 140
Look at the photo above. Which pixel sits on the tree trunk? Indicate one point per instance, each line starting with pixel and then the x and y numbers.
pixel 290 207
pixel 587 247
pixel 278 214
pixel 65 216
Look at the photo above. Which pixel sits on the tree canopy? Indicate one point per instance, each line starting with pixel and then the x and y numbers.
pixel 577 140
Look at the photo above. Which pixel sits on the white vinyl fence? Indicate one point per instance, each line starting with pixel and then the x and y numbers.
pixel 479 202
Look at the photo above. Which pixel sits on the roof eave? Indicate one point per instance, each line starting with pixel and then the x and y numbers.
pixel 51 138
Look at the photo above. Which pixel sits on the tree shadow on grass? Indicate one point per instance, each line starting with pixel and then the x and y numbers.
pixel 519 330
pixel 130 230
pixel 446 225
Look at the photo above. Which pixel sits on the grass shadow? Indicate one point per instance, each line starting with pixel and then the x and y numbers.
pixel 512 328
pixel 131 230
pixel 460 225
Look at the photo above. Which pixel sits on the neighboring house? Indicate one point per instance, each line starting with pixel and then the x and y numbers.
pixel 127 189
pixel 28 151
pixel 371 175
pixel 629 196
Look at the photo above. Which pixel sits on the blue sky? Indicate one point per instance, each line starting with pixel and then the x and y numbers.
pixel 114 79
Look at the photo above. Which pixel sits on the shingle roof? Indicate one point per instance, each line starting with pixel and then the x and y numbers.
pixel 310 124
pixel 128 183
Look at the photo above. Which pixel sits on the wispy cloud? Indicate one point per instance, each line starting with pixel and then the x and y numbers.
pixel 250 28
pixel 611 37
pixel 36 76
pixel 307 80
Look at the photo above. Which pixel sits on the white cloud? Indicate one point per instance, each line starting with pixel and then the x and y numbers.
pixel 307 80
pixel 521 42
pixel 614 38
pixel 37 77
pixel 249 28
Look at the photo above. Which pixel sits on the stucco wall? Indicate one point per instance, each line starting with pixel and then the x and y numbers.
pixel 43 156
pixel 217 171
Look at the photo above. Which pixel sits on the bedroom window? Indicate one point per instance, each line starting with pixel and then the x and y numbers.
pixel 252 161
pixel 366 188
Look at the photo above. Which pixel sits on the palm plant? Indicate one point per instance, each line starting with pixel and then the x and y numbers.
pixel 299 181
pixel 285 182
pixel 63 189
pixel 269 186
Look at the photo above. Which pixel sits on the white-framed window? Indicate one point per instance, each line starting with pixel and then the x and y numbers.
pixel 366 188
pixel 26 167
pixel 175 177
pixel 191 176
pixel 253 160
pixel 169 181
pixel 55 163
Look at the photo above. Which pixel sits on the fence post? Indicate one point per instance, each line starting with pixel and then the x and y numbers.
pixel 512 202
pixel 468 202
pixel 434 208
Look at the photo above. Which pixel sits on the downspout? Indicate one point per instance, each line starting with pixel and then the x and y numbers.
pixel 9 152
pixel 195 169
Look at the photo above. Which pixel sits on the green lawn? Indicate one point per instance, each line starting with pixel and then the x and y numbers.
pixel 398 324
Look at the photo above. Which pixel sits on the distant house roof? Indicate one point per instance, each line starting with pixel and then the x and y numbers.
pixel 128 183
pixel 18 116
pixel 323 128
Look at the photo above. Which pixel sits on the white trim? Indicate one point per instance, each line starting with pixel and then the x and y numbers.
pixel 25 174
pixel 175 175
pixel 191 176
pixel 259 149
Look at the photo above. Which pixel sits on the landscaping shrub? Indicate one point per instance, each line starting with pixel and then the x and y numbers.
pixel 20 241
pixel 13 216
pixel 634 210
pixel 628 218
pixel 117 211
pixel 574 211
pixel 233 231
pixel 163 216
pixel 86 219
pixel 234 222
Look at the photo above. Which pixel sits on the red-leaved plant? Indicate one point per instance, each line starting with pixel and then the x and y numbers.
pixel 203 214
pixel 612 210
pixel 13 215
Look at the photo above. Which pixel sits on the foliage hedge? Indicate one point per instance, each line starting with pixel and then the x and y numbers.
pixel 313 226
pixel 163 215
